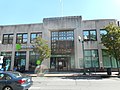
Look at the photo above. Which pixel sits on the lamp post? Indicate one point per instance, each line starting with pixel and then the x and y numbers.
pixel 80 40
pixel 0 46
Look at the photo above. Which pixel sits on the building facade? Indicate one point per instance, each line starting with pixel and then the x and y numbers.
pixel 68 38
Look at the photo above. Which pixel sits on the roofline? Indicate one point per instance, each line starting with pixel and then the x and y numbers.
pixel 100 20
pixel 20 24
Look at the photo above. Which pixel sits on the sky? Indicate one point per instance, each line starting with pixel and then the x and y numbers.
pixel 33 11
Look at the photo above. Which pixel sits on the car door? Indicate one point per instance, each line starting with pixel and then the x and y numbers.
pixel 2 80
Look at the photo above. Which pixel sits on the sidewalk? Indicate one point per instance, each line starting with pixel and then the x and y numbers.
pixel 76 74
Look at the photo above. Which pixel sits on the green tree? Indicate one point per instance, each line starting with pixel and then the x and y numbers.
pixel 111 40
pixel 41 47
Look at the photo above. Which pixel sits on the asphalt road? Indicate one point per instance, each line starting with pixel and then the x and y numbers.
pixel 62 83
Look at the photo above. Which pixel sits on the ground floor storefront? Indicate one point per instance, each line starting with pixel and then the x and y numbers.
pixel 27 60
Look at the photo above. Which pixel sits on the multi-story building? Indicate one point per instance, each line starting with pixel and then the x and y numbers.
pixel 63 35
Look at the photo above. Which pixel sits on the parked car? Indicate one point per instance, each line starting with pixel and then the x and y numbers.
pixel 14 81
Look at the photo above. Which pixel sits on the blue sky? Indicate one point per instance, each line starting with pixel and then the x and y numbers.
pixel 33 11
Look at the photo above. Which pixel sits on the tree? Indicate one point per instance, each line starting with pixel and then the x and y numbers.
pixel 111 40
pixel 41 47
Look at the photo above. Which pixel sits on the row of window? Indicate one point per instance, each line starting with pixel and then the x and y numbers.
pixel 20 38
pixel 91 35
pixel 91 59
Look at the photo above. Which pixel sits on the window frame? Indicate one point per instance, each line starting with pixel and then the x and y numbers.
pixel 37 33
pixel 8 40
pixel 89 33
pixel 62 42
pixel 91 58
pixel 22 38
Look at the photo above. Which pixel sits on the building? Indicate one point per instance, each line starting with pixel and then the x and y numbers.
pixel 63 34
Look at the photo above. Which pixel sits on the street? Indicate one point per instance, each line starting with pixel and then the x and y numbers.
pixel 62 83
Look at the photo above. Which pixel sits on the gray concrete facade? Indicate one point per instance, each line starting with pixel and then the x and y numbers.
pixel 74 23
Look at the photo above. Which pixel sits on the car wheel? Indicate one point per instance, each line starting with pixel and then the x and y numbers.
pixel 7 88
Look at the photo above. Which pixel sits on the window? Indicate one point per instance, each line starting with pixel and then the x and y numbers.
pixel 5 76
pixel 7 60
pixel 103 32
pixel 90 34
pixel 62 42
pixel 34 36
pixel 108 61
pixel 20 59
pixel 7 38
pixel 91 58
pixel 33 57
pixel 21 38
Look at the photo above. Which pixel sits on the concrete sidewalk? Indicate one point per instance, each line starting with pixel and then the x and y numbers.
pixel 75 74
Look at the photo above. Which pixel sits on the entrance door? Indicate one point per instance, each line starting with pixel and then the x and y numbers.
pixel 20 60
pixel 62 64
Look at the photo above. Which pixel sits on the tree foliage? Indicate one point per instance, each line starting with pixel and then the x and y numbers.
pixel 111 40
pixel 41 47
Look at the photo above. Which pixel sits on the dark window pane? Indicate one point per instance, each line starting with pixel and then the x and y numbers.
pixel 7 38
pixel 62 42
pixel 21 38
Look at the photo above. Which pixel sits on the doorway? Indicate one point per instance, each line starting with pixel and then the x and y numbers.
pixel 62 64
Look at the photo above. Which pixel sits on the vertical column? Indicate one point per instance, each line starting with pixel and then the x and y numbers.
pixel 27 51
pixel 99 46
pixel 27 61
pixel 13 51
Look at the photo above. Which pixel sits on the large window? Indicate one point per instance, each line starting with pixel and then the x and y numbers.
pixel 34 36
pixel 33 57
pixel 7 59
pixel 7 38
pixel 20 59
pixel 90 35
pixel 62 42
pixel 108 61
pixel 91 58
pixel 21 38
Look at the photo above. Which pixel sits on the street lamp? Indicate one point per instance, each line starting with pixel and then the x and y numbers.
pixel 80 40
pixel 0 46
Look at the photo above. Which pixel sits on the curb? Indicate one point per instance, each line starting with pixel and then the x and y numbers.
pixel 75 75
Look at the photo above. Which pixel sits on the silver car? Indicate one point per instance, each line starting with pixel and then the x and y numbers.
pixel 14 81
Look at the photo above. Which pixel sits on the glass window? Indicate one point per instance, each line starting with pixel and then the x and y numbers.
pixel 32 62
pixel 108 61
pixel 7 60
pixel 20 59
pixel 91 35
pixel 21 38
pixel 86 34
pixel 34 36
pixel 91 58
pixel 62 42
pixel 103 32
pixel 7 38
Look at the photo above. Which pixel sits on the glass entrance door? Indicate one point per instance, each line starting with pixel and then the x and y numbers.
pixel 59 63
pixel 62 64
pixel 20 60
